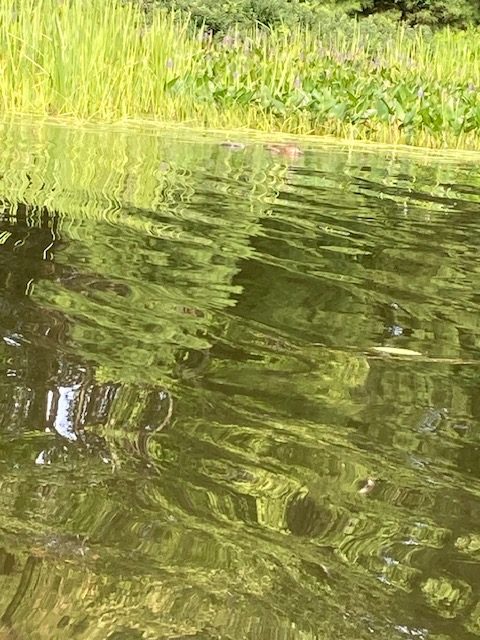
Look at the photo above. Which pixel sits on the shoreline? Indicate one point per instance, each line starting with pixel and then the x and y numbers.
pixel 196 134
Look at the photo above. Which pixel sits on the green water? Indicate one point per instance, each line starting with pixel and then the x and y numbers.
pixel 198 437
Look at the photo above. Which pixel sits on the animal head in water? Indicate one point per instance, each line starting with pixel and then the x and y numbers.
pixel 286 150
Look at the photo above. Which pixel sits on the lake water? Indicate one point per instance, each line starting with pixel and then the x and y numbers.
pixel 240 391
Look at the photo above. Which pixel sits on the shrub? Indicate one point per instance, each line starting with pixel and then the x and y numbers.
pixel 435 13
pixel 222 16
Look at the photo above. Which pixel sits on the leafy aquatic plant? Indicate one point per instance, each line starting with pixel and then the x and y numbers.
pixel 398 85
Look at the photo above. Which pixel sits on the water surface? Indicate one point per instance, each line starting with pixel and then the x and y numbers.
pixel 200 437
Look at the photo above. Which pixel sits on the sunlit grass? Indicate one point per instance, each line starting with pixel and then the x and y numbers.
pixel 104 61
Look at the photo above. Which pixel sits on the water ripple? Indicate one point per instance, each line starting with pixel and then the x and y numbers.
pixel 240 394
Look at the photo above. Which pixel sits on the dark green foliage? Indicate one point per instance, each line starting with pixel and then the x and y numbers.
pixel 223 16
pixel 459 13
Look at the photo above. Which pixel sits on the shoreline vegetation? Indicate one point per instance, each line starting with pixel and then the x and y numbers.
pixel 369 80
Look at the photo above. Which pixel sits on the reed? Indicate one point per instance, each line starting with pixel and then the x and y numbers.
pixel 103 61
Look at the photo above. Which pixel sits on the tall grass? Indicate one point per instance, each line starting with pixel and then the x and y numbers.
pixel 102 60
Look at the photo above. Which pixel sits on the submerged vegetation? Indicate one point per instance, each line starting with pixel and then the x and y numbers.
pixel 106 60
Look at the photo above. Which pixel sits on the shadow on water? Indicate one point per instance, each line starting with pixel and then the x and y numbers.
pixel 240 391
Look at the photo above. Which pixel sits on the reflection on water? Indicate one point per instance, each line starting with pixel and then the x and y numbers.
pixel 199 439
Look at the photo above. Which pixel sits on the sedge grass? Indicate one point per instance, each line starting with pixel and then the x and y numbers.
pixel 103 61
